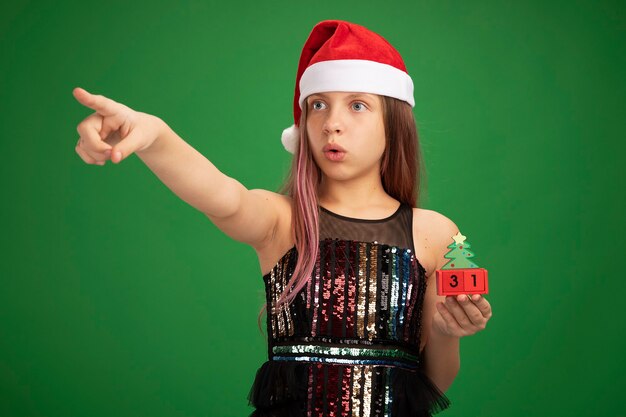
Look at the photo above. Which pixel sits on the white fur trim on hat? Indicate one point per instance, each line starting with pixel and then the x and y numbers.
pixel 356 75
pixel 290 138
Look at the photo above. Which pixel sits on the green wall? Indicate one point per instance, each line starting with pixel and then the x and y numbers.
pixel 119 299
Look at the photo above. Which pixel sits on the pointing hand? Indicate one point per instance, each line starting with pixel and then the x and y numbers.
pixel 114 131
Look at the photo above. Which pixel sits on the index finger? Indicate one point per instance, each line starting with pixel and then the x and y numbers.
pixel 101 104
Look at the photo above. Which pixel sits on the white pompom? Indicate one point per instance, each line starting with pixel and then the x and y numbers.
pixel 290 138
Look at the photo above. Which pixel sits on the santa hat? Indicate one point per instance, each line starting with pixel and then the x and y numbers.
pixel 343 56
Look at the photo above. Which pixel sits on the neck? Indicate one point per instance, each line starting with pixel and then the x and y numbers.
pixel 363 196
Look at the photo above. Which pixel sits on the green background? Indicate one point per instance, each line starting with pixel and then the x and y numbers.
pixel 119 299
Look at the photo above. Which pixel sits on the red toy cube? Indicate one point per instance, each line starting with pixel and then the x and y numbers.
pixel 462 281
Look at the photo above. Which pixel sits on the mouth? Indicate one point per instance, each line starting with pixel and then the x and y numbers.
pixel 334 153
pixel 333 148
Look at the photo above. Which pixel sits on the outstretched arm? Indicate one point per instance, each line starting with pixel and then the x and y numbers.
pixel 116 131
pixel 245 215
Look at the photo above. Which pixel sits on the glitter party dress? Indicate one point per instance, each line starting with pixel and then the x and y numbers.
pixel 348 344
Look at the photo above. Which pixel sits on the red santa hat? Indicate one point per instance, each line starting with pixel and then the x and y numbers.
pixel 343 56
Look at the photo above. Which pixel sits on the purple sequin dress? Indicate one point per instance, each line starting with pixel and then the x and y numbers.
pixel 348 344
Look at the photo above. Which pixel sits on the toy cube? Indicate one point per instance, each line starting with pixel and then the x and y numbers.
pixel 462 281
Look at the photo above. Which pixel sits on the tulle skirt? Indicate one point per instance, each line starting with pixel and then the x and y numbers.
pixel 284 389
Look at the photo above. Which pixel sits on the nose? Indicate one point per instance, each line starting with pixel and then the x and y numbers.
pixel 333 124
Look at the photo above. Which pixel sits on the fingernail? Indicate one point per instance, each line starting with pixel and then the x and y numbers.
pixel 118 155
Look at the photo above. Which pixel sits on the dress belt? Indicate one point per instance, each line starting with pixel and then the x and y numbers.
pixel 387 356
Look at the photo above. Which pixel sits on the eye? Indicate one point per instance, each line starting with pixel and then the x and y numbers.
pixel 358 106
pixel 318 105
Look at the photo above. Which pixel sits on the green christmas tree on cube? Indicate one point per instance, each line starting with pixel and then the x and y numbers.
pixel 460 275
pixel 459 254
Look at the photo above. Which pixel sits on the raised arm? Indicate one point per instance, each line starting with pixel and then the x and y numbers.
pixel 249 216
pixel 116 131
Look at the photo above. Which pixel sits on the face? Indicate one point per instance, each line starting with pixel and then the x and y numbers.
pixel 346 133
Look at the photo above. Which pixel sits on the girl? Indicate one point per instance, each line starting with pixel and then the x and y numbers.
pixel 354 322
